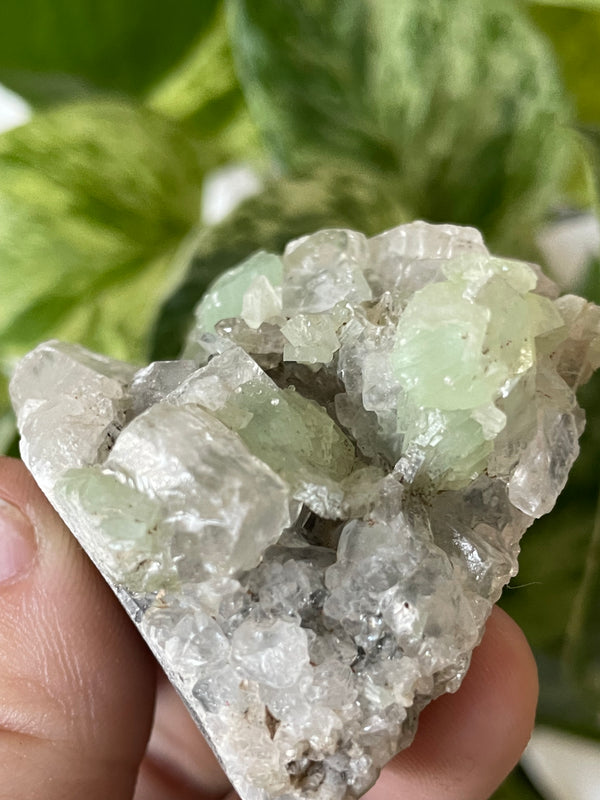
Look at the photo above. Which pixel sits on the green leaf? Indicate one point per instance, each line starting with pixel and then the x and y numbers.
pixel 302 67
pixel 591 5
pixel 574 30
pixel 203 92
pixel 562 704
pixel 517 787
pixel 94 201
pixel 285 209
pixel 64 49
pixel 459 100
pixel 8 428
pixel 582 645
pixel 591 137
pixel 590 285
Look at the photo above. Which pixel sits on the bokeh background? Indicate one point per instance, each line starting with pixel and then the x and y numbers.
pixel 146 148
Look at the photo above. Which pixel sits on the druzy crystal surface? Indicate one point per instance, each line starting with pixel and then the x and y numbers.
pixel 310 514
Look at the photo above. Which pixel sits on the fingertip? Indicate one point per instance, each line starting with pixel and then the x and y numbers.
pixel 76 681
pixel 468 742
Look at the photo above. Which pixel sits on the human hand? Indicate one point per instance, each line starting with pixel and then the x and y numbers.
pixel 78 690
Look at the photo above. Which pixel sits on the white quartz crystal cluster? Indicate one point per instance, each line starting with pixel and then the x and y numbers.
pixel 310 515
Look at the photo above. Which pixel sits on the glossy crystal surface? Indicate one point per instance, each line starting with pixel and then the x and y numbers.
pixel 311 514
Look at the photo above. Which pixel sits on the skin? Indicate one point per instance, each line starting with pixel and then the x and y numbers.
pixel 85 713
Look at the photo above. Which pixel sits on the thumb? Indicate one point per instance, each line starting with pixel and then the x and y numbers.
pixel 76 682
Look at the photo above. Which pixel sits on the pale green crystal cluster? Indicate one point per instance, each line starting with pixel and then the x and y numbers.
pixel 310 515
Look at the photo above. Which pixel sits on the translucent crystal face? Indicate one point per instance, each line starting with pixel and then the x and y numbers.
pixel 310 515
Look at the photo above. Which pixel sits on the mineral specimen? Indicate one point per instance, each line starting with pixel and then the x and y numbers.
pixel 310 515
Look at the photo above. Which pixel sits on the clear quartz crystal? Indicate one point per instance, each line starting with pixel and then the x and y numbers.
pixel 310 516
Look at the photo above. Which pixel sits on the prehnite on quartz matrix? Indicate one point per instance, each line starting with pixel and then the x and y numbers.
pixel 310 515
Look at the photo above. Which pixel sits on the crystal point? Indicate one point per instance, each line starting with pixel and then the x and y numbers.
pixel 310 516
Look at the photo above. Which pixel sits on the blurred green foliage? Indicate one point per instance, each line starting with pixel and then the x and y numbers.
pixel 354 113
pixel 575 35
pixel 92 201
pixel 428 92
pixel 517 787
pixel 585 5
pixel 63 50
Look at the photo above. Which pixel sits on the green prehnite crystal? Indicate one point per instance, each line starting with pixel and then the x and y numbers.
pixel 261 302
pixel 163 456
pixel 310 515
pixel 101 494
pixel 225 298
pixel 128 524
pixel 292 434
pixel 458 346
